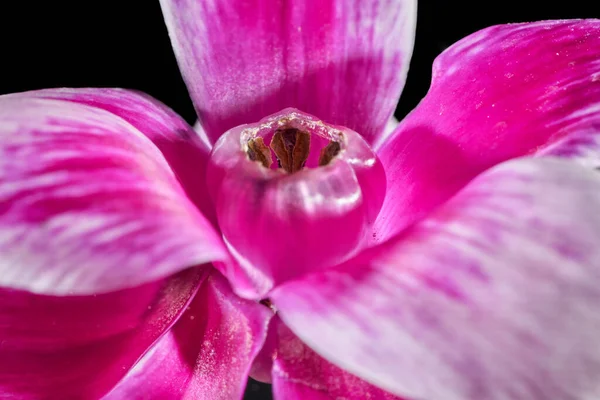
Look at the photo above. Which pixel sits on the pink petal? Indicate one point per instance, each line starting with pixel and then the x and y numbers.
pixel 500 93
pixel 388 131
pixel 280 226
pixel 79 347
pixel 263 362
pixel 207 354
pixel 299 374
pixel 88 203
pixel 494 296
pixel 185 150
pixel 202 134
pixel 343 61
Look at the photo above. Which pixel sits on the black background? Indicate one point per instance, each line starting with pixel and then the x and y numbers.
pixel 124 43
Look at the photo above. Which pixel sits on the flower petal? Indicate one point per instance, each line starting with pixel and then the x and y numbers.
pixel 185 149
pixel 501 93
pixel 79 347
pixel 343 61
pixel 299 373
pixel 202 134
pixel 88 203
pixel 263 362
pixel 494 296
pixel 207 354
pixel 389 130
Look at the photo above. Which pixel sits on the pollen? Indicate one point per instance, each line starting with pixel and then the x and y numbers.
pixel 258 151
pixel 328 153
pixel 291 146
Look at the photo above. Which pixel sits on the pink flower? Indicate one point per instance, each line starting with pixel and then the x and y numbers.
pixel 452 257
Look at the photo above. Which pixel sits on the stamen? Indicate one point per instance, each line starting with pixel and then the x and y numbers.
pixel 258 151
pixel 328 153
pixel 291 146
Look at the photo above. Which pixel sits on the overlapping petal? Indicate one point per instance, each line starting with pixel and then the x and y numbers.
pixel 503 92
pixel 207 354
pixel 79 347
pixel 185 149
pixel 494 296
pixel 345 61
pixel 88 204
pixel 299 374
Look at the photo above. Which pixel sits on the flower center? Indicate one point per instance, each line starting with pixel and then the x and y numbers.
pixel 292 147
pixel 312 209
pixel 267 303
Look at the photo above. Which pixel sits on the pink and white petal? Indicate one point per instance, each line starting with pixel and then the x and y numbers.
pixel 343 61
pixel 88 204
pixel 207 354
pixel 299 373
pixel 503 92
pixel 494 296
pixel 202 134
pixel 79 347
pixel 184 148
pixel 388 131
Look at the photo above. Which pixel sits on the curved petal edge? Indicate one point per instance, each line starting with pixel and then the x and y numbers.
pixel 343 61
pixel 88 204
pixel 208 353
pixel 493 296
pixel 500 93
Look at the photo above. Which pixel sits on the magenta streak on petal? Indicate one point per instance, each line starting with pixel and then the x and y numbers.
pixel 503 92
pixel 79 347
pixel 494 296
pixel 280 226
pixel 299 374
pixel 185 149
pixel 207 354
pixel 343 61
pixel 88 204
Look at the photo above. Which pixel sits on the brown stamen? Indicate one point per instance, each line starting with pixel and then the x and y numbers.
pixel 258 151
pixel 291 146
pixel 328 153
